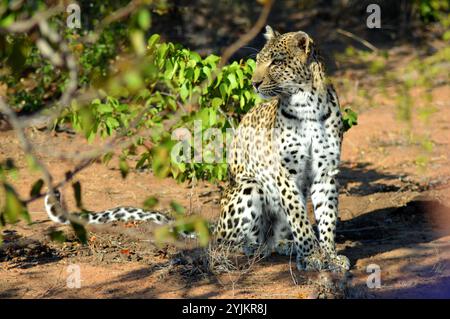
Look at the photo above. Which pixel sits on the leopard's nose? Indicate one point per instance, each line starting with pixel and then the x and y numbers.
pixel 256 84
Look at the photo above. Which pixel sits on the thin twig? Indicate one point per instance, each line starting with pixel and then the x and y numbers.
pixel 112 17
pixel 28 149
pixel 27 25
pixel 294 278
pixel 241 42
pixel 355 37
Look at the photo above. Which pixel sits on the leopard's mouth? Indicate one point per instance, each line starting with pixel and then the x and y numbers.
pixel 263 95
pixel 267 93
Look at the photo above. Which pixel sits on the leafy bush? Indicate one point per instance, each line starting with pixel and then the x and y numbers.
pixel 432 10
pixel 172 77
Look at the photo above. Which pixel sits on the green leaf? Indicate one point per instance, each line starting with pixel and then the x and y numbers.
pixel 212 117
pixel 77 193
pixel 7 21
pixel 240 76
pixel 223 90
pixel 144 158
pixel 196 74
pixel 104 108
pixel 150 202
pixel 80 232
pixel 184 92
pixel 144 19
pixel 107 157
pixel 164 234
pixel 218 79
pixel 133 80
pixel 138 42
pixel 446 36
pixel 57 236
pixel 124 168
pixel 177 208
pixel 201 228
pixel 242 102
pixel 207 72
pixel 212 60
pixel 37 187
pixel 87 121
pixel 195 56
pixel 153 40
pixel 112 123
pixel 251 63
pixel 233 82
pixel 350 119
pixel 216 102
pixel 32 164
pixel 14 207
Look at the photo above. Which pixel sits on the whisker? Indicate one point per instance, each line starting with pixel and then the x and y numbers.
pixel 291 85
pixel 254 49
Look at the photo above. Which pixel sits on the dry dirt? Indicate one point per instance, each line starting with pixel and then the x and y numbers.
pixel 394 214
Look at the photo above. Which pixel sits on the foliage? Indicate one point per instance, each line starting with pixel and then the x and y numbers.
pixel 13 208
pixel 420 74
pixel 32 81
pixel 350 118
pixel 432 10
pixel 170 78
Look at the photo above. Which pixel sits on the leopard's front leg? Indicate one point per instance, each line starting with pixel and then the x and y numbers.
pixel 324 196
pixel 293 204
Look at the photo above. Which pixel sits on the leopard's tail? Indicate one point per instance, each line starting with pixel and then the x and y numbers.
pixel 53 207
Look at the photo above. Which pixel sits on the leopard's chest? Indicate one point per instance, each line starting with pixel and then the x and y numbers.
pixel 299 132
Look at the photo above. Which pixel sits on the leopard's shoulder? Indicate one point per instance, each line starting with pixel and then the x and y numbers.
pixel 262 115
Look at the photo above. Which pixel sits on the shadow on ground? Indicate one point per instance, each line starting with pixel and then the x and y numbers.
pixel 369 180
pixel 421 220
pixel 24 252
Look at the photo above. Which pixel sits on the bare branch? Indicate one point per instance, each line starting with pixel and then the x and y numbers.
pixel 247 37
pixel 27 25
pixel 28 148
pixel 113 17
pixel 361 40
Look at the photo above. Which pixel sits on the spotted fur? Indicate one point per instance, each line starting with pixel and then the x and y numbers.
pixel 118 214
pixel 283 151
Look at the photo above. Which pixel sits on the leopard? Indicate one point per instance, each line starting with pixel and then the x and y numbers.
pixel 284 151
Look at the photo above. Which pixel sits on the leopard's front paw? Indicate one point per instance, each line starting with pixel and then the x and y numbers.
pixel 249 250
pixel 285 248
pixel 313 262
pixel 338 263
pixel 256 250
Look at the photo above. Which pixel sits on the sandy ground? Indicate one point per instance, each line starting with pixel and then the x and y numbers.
pixel 394 214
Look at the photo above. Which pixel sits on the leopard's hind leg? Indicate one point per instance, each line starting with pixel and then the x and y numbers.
pixel 242 221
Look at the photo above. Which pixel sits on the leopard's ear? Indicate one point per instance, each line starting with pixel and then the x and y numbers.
pixel 270 33
pixel 303 42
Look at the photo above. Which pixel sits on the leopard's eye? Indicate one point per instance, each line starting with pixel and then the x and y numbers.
pixel 277 61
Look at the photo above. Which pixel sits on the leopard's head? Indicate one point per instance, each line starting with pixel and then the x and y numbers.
pixel 285 63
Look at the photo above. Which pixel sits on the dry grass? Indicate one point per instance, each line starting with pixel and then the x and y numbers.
pixel 217 259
